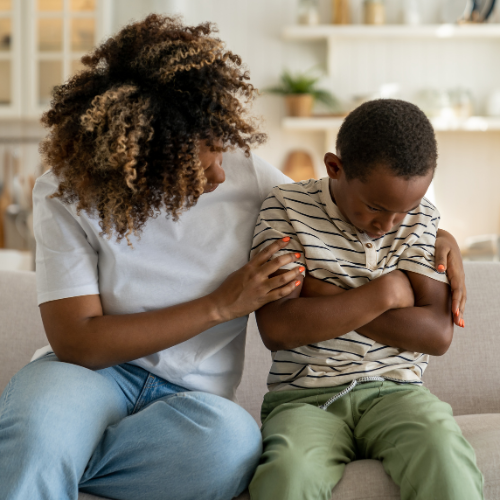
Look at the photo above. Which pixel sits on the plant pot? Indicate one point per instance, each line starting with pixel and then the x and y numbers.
pixel 299 104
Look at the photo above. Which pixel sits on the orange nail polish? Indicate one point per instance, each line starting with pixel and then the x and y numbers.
pixel 457 313
pixel 301 269
pixel 297 255
pixel 462 323
pixel 297 283
pixel 441 268
pixel 286 238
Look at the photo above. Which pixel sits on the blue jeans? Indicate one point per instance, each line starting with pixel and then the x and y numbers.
pixel 120 433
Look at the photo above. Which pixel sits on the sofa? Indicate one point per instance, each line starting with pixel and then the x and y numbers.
pixel 467 377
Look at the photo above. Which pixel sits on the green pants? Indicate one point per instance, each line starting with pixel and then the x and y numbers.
pixel 407 428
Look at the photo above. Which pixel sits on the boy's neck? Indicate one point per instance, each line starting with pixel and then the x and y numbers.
pixel 333 185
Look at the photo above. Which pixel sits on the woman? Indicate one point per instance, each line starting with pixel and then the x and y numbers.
pixel 133 398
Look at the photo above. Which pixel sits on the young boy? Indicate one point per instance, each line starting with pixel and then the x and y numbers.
pixel 350 345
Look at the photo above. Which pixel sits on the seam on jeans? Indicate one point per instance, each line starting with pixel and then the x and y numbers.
pixel 8 391
pixel 148 384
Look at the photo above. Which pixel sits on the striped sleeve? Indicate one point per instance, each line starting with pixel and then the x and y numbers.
pixel 274 224
pixel 419 257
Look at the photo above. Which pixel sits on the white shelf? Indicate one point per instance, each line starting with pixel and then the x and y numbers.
pixel 330 31
pixel 472 124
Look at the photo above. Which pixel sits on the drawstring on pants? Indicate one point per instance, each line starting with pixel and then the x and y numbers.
pixel 348 389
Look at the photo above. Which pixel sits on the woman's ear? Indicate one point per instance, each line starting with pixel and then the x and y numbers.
pixel 333 165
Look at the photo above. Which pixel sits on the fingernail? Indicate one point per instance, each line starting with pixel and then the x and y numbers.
pixel 441 268
pixel 297 283
pixel 286 238
pixel 457 313
pixel 462 323
pixel 297 255
pixel 301 269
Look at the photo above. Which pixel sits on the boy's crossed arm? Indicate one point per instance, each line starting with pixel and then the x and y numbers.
pixel 412 313
pixel 426 327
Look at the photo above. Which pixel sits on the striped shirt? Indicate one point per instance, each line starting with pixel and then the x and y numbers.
pixel 334 251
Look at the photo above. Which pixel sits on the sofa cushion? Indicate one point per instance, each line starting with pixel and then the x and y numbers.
pixel 467 376
pixel 483 433
pixel 367 480
pixel 21 328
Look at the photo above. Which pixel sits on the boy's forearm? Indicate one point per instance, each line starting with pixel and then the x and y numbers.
pixel 427 327
pixel 416 329
pixel 298 321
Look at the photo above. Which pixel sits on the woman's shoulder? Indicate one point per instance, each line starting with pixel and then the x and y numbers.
pixel 44 203
pixel 252 173
pixel 47 180
pixel 45 186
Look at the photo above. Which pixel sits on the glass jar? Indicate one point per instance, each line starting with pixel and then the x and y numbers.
pixel 341 11
pixel 308 12
pixel 374 12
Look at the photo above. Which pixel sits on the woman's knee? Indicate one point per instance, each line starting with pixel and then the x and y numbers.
pixel 232 440
pixel 47 402
pixel 232 429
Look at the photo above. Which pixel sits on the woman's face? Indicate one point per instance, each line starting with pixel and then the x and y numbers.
pixel 211 161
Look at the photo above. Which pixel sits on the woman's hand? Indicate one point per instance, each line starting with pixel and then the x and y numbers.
pixel 250 287
pixel 449 259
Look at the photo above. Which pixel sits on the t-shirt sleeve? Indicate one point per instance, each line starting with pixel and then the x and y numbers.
pixel 66 263
pixel 273 224
pixel 419 257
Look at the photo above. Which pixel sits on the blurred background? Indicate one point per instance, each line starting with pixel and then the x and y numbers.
pixel 313 60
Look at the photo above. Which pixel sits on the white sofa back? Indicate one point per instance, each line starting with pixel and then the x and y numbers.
pixel 467 377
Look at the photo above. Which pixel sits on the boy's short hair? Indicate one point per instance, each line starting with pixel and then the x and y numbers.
pixel 388 132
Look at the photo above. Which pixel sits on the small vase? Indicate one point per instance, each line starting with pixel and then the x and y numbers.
pixel 308 12
pixel 341 12
pixel 299 104
pixel 374 12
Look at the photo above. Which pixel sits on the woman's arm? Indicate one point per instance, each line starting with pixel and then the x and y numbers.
pixel 81 334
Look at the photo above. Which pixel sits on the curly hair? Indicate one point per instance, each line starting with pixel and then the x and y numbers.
pixel 388 132
pixel 125 131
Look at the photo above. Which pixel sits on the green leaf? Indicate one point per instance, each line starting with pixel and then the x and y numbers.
pixel 326 98
pixel 303 83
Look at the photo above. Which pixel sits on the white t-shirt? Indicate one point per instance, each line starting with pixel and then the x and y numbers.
pixel 171 263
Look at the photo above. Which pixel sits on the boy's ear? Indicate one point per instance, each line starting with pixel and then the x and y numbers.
pixel 333 165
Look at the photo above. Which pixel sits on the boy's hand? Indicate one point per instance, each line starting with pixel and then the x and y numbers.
pixel 448 259
pixel 398 288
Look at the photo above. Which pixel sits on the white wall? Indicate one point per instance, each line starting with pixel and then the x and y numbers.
pixel 468 178
pixel 252 30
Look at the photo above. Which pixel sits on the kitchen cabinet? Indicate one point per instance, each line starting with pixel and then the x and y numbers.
pixel 41 44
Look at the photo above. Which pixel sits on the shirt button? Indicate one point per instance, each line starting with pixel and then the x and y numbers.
pixel 369 245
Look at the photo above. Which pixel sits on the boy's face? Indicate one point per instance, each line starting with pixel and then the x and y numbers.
pixel 378 204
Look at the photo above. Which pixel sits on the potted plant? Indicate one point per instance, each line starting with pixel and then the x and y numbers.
pixel 300 93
